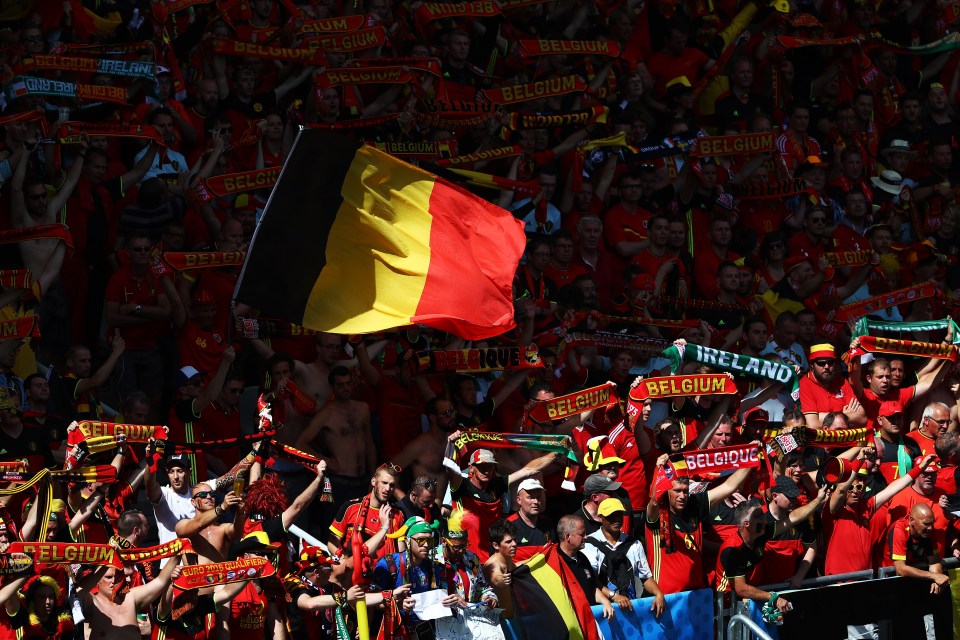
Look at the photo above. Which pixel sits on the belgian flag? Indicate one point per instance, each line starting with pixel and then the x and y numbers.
pixel 354 240
pixel 548 601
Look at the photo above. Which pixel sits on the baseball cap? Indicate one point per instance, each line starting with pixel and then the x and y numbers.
pixel 179 459
pixel 823 350
pixel 530 484
pixel 756 415
pixel 933 467
pixel 598 483
pixel 890 408
pixel 643 282
pixel 482 456
pixel 787 487
pixel 188 373
pixel 203 297
pixel 610 505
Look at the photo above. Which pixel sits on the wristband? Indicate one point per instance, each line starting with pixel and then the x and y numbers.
pixel 773 598
pixel 855 467
pixel 915 472
pixel 218 510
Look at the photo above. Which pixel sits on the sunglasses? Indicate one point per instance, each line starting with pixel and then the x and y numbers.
pixel 825 363
pixel 202 495
pixel 428 484
pixel 818 220
pixel 447 413
pixel 392 467
pixel 423 542
pixel 458 548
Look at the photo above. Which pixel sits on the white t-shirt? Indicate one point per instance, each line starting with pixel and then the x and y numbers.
pixel 171 509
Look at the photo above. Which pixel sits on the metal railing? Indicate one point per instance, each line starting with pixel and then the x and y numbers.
pixel 748 624
pixel 725 615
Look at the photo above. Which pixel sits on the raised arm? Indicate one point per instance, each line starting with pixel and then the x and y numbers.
pixel 192 526
pixel 305 498
pixel 70 182
pixel 146 593
pixel 729 487
pixel 903 481
pixel 533 467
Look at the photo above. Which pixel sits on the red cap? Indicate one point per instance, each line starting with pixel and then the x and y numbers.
pixel 203 297
pixel 933 467
pixel 890 408
pixel 823 350
pixel 793 262
pixel 643 282
pixel 756 415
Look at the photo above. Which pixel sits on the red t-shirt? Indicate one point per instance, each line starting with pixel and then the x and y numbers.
pixel 815 398
pixel 125 289
pixel 847 535
pixel 348 515
pixel 621 225
pixel 871 402
pixel 248 614
pixel 633 475
pixel 219 423
pixel 563 277
pixel 200 348
pixel 683 569
pixel 902 545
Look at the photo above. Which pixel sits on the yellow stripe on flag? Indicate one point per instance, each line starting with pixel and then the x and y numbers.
pixel 551 583
pixel 393 227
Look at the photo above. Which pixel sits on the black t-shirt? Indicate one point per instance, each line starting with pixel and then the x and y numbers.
pixel 537 536
pixel 481 413
pixel 31 444
pixel 583 572
pixel 259 104
pixel 741 560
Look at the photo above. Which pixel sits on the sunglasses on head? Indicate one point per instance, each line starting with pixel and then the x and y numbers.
pixel 428 484
pixel 392 467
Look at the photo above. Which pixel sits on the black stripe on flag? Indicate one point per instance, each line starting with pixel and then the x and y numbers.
pixel 288 250
pixel 535 608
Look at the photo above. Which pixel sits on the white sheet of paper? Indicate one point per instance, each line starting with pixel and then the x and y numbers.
pixel 428 605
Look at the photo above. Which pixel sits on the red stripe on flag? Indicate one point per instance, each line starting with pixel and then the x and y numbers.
pixel 474 250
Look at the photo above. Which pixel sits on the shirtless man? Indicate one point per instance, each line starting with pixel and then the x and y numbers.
pixel 340 434
pixel 295 417
pixel 30 207
pixel 499 566
pixel 424 454
pixel 313 378
pixel 211 540
pixel 106 612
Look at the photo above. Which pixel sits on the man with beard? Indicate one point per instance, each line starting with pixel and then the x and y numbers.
pixel 111 611
pixel 424 454
pixel 822 391
pixel 380 517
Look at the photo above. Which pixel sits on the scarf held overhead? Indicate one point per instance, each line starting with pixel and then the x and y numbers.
pixel 735 363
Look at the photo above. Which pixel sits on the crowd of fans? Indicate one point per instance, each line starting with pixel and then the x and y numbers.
pixel 752 253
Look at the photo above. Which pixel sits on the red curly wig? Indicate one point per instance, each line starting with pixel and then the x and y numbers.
pixel 267 497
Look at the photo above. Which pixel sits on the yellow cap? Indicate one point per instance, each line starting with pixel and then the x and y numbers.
pixel 609 506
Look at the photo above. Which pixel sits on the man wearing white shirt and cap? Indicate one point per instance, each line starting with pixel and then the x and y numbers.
pixel 620 560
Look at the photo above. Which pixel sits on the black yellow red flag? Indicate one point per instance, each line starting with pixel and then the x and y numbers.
pixel 354 240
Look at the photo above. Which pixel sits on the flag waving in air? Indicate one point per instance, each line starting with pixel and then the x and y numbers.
pixel 355 241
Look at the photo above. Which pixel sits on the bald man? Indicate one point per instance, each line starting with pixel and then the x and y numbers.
pixel 910 549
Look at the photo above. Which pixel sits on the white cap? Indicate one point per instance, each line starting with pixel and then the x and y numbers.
pixel 530 484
